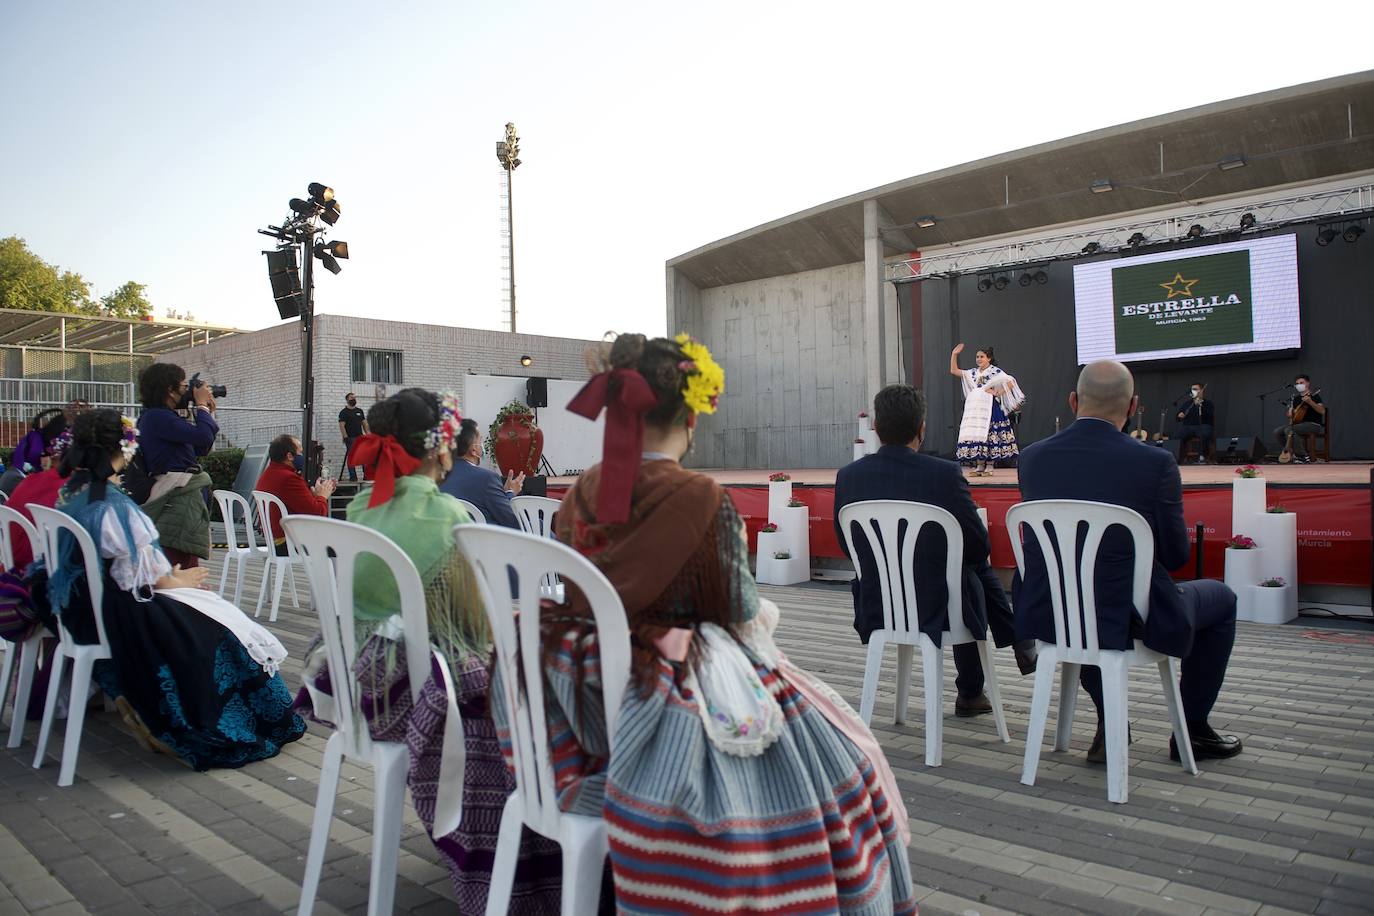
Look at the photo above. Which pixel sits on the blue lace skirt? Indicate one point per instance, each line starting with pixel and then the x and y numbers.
pixel 999 445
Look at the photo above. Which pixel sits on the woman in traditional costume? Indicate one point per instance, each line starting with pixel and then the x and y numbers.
pixel 738 783
pixel 406 455
pixel 190 673
pixel 991 396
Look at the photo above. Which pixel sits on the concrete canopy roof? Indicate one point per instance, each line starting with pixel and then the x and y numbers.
pixel 1288 136
pixel 20 328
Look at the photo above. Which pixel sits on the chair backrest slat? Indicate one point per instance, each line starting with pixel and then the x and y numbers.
pixel 329 549
pixel 231 504
pixel 890 528
pixel 500 555
pixel 53 525
pixel 13 517
pixel 535 514
pixel 270 506
pixel 1057 525
pixel 477 514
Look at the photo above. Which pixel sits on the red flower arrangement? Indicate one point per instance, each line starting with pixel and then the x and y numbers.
pixel 1241 542
pixel 768 528
pixel 778 477
pixel 1248 471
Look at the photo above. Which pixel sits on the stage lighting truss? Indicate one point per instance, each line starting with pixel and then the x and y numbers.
pixel 1338 207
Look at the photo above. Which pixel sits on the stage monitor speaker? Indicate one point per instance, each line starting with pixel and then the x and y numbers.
pixel 285 277
pixel 1171 446
pixel 1239 449
pixel 536 486
pixel 537 392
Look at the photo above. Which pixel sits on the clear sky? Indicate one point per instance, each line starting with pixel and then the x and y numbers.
pixel 149 140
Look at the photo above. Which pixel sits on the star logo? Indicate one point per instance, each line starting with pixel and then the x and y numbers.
pixel 1179 286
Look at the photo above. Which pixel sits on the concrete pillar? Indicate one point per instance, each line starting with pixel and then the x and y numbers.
pixel 875 315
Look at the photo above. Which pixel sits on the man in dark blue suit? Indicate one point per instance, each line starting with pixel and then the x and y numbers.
pixel 481 486
pixel 899 471
pixel 1193 621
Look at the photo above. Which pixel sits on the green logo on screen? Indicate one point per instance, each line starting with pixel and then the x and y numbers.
pixel 1190 302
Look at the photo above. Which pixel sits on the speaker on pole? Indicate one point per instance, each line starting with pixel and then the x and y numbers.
pixel 284 274
pixel 537 392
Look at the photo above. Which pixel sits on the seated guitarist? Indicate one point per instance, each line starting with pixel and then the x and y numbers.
pixel 1196 422
pixel 1306 414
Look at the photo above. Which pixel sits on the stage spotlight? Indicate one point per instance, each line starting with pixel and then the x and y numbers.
pixel 1091 248
pixel 1231 162
pixel 1325 236
pixel 984 284
pixel 1246 221
pixel 327 259
pixel 303 207
pixel 1002 282
pixel 337 249
pixel 527 361
pixel 319 193
pixel 330 213
pixel 1195 231
pixel 1101 186
pixel 1352 232
pixel 1041 277
pixel 1025 279
pixel 1136 240
pixel 925 222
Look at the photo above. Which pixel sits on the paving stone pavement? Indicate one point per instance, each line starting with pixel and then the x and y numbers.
pixel 1287 827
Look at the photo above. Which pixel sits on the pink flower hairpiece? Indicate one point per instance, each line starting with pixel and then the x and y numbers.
pixel 445 432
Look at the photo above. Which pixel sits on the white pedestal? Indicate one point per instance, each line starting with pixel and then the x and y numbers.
pixel 1244 570
pixel 794 530
pixel 1269 605
pixel 983 517
pixel 860 449
pixel 1277 533
pixel 779 492
pixel 1247 499
pixel 868 434
pixel 772 571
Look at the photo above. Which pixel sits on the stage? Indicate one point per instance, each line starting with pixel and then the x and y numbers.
pixel 1332 502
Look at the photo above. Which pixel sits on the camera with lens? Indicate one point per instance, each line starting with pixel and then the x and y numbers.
pixel 218 392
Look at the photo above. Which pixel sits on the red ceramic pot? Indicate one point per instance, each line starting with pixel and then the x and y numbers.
pixel 519 445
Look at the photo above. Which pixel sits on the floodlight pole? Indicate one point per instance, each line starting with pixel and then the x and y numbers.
pixel 508 153
pixel 308 346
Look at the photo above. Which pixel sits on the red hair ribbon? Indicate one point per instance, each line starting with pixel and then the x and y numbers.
pixel 627 397
pixel 384 459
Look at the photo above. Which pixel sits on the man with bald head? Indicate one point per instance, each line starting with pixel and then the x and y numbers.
pixel 1195 621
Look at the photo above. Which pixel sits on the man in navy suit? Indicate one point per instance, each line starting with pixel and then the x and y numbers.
pixel 1193 621
pixel 481 486
pixel 899 471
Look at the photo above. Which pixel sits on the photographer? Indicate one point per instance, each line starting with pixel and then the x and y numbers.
pixel 170 444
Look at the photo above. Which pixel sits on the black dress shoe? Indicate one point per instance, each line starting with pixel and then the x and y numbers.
pixel 968 707
pixel 1026 652
pixel 1209 747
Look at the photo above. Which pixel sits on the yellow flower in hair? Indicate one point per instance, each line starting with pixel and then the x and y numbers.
pixel 705 377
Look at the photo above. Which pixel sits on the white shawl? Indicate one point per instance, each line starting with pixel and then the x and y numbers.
pixel 978 406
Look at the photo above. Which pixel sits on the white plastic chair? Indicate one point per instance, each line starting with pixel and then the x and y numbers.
pixel 235 551
pixel 329 550
pixel 1057 522
pixel 477 515
pixel 535 514
pixel 498 555
pixel 52 524
pixel 284 566
pixel 27 652
pixel 894 552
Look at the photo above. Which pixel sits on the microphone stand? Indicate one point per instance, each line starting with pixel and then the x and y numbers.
pixel 1264 429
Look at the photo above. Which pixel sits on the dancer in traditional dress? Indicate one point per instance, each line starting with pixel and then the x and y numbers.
pixel 991 396
pixel 191 674
pixel 738 783
pixel 406 454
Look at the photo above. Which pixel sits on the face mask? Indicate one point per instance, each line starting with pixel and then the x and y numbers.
pixel 1301 387
pixel 1197 391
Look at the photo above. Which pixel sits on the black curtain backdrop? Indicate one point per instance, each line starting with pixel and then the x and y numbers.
pixel 1032 330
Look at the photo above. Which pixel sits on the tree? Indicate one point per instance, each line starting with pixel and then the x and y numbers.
pixel 29 282
pixel 126 302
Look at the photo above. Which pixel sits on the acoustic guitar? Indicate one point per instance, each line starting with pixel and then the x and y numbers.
pixel 1138 432
pixel 1299 415
pixel 1161 435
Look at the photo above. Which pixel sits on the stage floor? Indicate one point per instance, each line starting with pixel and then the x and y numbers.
pixel 1335 473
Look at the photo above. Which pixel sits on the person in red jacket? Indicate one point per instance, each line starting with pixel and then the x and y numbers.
pixel 282 480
